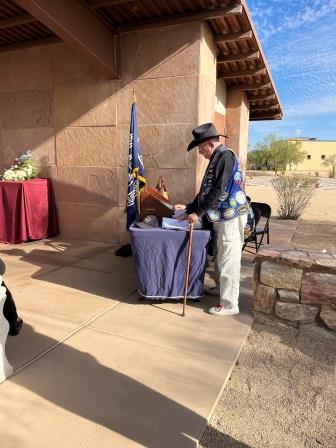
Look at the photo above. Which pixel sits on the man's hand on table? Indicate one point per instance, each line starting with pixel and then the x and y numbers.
pixel 192 218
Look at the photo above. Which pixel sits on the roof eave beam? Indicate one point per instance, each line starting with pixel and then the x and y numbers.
pixel 266 107
pixel 270 96
pixel 254 86
pixel 71 21
pixel 239 57
pixel 16 21
pixel 95 4
pixel 233 37
pixel 277 116
pixel 243 73
pixel 29 44
pixel 198 16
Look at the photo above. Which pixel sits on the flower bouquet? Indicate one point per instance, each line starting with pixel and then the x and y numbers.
pixel 24 168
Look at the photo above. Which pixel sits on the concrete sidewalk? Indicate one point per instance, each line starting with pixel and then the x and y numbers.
pixel 94 366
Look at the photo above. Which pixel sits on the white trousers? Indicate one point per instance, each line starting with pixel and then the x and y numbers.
pixel 229 238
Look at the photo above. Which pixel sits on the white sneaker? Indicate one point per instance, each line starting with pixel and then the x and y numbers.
pixel 220 310
pixel 213 291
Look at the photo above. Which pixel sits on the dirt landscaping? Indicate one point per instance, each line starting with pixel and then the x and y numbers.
pixel 282 392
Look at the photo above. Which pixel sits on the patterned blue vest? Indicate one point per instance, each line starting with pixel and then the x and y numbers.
pixel 233 202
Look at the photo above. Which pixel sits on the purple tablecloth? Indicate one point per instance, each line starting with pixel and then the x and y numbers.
pixel 160 258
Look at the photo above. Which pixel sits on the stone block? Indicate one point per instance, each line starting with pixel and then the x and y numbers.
pixel 266 253
pixel 48 171
pixel 328 315
pixel 160 52
pixel 41 141
pixel 27 69
pixel 280 276
pixel 329 264
pixel 91 105
pixel 264 299
pixel 27 109
pixel 288 296
pixel 70 68
pixel 272 320
pixel 83 185
pixel 88 222
pixel 161 101
pixel 208 53
pixel 296 312
pixel 256 274
pixel 298 258
pixel 207 98
pixel 87 146
pixel 180 183
pixel 318 288
pixel 162 146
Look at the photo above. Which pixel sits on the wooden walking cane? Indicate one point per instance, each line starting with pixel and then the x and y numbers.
pixel 191 227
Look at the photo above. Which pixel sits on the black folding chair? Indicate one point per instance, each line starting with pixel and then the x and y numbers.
pixel 260 210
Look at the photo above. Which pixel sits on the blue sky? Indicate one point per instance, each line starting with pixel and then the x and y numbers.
pixel 299 40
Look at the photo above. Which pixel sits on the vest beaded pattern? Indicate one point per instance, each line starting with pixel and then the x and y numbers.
pixel 233 202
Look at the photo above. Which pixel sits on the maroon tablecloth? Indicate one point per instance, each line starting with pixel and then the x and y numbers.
pixel 27 211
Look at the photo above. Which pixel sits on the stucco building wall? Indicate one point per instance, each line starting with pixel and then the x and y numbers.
pixel 318 151
pixel 77 122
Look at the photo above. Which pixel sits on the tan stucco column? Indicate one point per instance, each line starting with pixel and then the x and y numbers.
pixel 237 122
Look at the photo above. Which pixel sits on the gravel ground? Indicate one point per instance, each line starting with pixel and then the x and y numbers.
pixel 282 392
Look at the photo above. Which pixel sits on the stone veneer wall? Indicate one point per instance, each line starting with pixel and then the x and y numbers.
pixel 77 122
pixel 296 286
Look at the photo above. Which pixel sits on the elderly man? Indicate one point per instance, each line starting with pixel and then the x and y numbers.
pixel 222 201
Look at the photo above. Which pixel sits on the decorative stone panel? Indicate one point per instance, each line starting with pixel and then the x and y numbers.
pixel 280 276
pixel 318 288
pixel 328 315
pixel 296 286
pixel 27 109
pixel 264 299
pixel 288 296
pixel 87 146
pixel 296 312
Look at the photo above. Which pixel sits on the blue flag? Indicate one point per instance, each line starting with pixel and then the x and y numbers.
pixel 136 171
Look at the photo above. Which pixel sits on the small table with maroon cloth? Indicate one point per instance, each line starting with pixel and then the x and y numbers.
pixel 27 210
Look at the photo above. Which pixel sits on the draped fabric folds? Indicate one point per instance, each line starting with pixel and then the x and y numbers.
pixel 27 211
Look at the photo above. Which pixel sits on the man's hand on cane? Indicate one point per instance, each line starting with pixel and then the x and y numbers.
pixel 192 218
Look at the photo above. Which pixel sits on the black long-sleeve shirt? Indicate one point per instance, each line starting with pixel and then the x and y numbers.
pixel 223 171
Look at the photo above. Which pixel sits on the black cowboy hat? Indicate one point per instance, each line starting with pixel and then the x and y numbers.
pixel 202 134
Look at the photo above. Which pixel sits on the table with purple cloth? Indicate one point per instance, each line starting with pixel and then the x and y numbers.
pixel 27 210
pixel 160 259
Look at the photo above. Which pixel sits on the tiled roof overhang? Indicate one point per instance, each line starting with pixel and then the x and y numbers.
pixel 241 62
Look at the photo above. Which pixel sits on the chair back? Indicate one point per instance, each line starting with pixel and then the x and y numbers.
pixel 257 215
pixel 265 209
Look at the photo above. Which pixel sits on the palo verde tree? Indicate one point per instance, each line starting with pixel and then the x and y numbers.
pixel 275 153
pixel 330 161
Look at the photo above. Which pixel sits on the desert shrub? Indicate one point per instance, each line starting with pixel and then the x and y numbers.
pixel 294 194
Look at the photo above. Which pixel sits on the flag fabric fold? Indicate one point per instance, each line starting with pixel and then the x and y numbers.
pixel 136 171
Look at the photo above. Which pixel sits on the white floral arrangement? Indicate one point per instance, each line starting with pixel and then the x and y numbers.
pixel 24 168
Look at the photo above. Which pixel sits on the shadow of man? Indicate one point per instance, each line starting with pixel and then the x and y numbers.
pixel 70 378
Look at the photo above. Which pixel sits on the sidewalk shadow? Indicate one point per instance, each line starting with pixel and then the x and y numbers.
pixel 75 381
pixel 215 439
